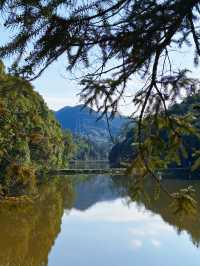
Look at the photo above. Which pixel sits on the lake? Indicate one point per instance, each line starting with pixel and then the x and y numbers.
pixel 91 221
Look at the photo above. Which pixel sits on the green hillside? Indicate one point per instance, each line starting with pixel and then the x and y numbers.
pixel 31 140
pixel 125 150
pixel 84 122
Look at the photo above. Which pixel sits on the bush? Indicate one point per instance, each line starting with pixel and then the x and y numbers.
pixel 19 179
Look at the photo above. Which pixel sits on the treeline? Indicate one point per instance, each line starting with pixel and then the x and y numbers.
pixel 31 140
pixel 187 149
pixel 87 149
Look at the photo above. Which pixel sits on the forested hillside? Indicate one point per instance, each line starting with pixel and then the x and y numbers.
pixel 87 149
pixel 31 140
pixel 84 122
pixel 125 150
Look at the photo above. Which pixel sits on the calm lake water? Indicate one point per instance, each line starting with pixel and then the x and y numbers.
pixel 94 223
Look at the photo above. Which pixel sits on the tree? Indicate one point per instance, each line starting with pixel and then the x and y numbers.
pixel 31 140
pixel 129 37
pixel 69 144
pixel 126 148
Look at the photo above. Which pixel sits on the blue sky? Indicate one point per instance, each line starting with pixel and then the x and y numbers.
pixel 59 87
pixel 56 85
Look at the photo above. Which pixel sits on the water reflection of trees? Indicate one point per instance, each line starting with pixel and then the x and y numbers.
pixel 28 231
pixel 188 223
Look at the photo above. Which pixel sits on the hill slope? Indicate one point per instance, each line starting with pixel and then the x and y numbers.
pixel 31 140
pixel 125 151
pixel 84 122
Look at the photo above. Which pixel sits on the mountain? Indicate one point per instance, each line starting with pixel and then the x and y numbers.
pixel 84 122
pixel 94 190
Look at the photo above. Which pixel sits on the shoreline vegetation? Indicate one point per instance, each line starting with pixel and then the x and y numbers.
pixel 118 45
pixel 187 149
pixel 33 144
pixel 31 140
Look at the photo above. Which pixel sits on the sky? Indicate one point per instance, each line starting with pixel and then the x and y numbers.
pixel 56 85
pixel 59 87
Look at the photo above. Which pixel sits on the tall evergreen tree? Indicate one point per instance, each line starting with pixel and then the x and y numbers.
pixel 128 37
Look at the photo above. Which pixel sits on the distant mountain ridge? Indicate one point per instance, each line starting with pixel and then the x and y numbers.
pixel 84 122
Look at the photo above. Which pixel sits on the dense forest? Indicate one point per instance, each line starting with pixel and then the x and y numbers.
pixel 87 149
pixel 31 140
pixel 115 43
pixel 93 137
pixel 126 149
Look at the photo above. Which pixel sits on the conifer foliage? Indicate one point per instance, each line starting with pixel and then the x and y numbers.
pixel 121 38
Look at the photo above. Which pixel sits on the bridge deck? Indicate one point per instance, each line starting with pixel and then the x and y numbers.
pixel 111 171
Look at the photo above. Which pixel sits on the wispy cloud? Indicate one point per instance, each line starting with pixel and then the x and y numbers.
pixel 156 243
pixel 136 243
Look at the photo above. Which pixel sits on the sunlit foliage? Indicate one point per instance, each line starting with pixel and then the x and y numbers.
pixel 124 38
pixel 129 39
pixel 31 140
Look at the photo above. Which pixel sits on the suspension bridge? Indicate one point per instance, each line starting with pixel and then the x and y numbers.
pixel 89 167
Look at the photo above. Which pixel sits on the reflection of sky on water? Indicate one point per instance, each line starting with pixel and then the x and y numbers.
pixel 114 234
